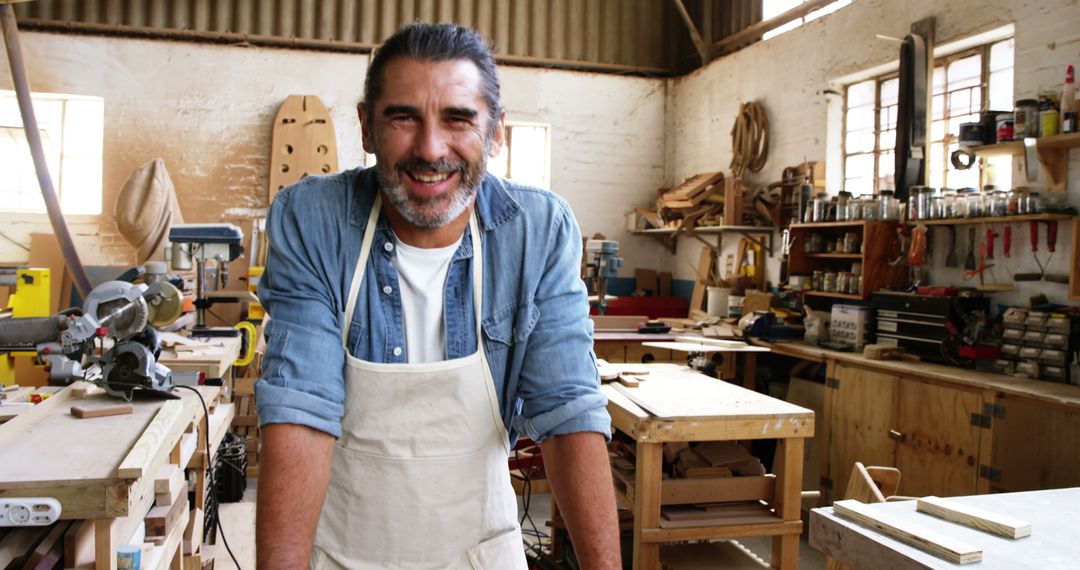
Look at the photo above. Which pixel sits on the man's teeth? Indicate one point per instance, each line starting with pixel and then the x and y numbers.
pixel 430 178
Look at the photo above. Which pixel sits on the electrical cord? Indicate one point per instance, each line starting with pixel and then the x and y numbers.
pixel 210 473
pixel 526 501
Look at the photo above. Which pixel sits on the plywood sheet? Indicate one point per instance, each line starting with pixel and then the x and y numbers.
pixel 810 395
pixel 862 415
pixel 1035 434
pixel 940 447
pixel 303 142
pixel 678 392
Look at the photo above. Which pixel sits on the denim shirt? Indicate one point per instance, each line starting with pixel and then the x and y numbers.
pixel 537 336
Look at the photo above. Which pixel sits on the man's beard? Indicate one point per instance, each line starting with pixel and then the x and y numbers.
pixel 431 212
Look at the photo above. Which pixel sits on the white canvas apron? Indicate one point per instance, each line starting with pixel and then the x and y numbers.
pixel 419 478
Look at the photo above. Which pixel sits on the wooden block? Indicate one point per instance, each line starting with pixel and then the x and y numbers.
pixel 673 449
pixel 79 545
pixel 912 534
pixel 19 543
pixel 245 421
pixel 664 284
pixel 101 411
pixel 193 534
pixel 9 388
pixel 84 389
pixel 160 520
pixel 645 280
pixel 721 453
pixel 169 484
pixel 628 381
pixel 699 472
pixel 974 517
pixel 51 548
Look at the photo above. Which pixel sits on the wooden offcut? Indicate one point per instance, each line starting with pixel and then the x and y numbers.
pixel 693 191
pixel 974 517
pixel 169 484
pixel 161 520
pixel 302 142
pixel 101 411
pixel 918 536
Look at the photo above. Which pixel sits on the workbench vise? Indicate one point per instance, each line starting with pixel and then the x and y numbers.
pixel 202 243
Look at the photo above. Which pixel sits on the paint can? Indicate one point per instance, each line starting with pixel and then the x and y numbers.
pixel 128 557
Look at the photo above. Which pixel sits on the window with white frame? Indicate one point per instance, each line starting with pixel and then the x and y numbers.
pixel 526 155
pixel 72 129
pixel 772 8
pixel 965 84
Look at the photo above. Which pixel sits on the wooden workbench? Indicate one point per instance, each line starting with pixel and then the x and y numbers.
pixel 1053 515
pixel 102 470
pixel 688 406
pixel 951 431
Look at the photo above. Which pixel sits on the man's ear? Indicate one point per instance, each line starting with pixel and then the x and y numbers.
pixel 365 128
pixel 498 138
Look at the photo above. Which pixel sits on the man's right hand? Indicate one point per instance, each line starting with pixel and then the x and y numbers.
pixel 294 470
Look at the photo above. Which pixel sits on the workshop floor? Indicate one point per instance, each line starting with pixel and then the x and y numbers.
pixel 238 520
pixel 809 558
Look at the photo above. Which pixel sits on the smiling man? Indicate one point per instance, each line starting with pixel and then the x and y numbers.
pixel 424 313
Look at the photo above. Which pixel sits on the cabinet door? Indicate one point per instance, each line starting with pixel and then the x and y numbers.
pixel 863 406
pixel 1036 446
pixel 938 448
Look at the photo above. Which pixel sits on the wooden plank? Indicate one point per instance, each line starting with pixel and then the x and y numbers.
pixel 19 542
pixel 913 534
pixel 727 489
pixel 101 411
pixel 137 461
pixel 79 545
pixel 44 550
pixel 974 517
pixel 787 501
pixel 645 280
pixel 647 504
pixel 160 520
pixel 169 484
pixel 193 533
pixel 704 270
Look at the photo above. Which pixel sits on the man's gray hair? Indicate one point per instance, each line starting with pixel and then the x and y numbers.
pixel 435 42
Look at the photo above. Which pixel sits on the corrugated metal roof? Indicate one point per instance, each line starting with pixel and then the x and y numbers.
pixel 644 36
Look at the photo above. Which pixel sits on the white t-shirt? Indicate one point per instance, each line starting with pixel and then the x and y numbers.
pixel 422 280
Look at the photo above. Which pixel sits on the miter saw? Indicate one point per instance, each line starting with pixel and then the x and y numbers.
pixel 118 318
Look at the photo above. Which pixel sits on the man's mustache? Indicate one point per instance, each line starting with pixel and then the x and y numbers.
pixel 423 166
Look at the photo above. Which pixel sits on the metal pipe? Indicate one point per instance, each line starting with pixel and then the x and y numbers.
pixel 33 137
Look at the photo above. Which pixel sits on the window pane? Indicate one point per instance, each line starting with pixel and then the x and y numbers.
pixel 1001 55
pixel 83 127
pixel 860 118
pixel 939 80
pixel 937 165
pixel 770 8
pixel 999 171
pixel 937 130
pixel 82 185
pixel 887 117
pixel 965 72
pixel 887 140
pixel 860 94
pixel 937 106
pixel 956 178
pixel 890 89
pixel 886 166
pixel 528 155
pixel 1001 90
pixel 859 141
pixel 499 164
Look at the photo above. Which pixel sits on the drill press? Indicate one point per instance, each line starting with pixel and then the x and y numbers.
pixel 202 243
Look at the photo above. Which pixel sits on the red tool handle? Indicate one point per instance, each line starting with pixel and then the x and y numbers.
pixel 990 235
pixel 1033 227
pixel 1051 236
pixel 1006 246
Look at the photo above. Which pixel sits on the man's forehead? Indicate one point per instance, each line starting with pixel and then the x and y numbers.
pixel 407 78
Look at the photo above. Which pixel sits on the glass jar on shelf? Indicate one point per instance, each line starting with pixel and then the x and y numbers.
pixel 828 282
pixel 996 203
pixel 951 208
pixel 842 200
pixel 1034 203
pixel 1017 201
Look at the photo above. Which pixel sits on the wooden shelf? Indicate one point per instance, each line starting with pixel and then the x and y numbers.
pixel 1016 148
pixel 847 224
pixel 1044 217
pixel 834 295
pixel 707 230
pixel 834 255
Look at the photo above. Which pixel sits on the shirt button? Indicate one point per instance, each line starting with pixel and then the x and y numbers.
pixel 388 246
pixel 397 351
pixel 387 289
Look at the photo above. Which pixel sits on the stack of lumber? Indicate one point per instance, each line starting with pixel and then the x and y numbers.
pixel 246 421
pixel 710 199
pixel 711 459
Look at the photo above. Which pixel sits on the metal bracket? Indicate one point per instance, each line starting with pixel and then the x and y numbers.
pixel 980 420
pixel 832 383
pixel 989 473
pixel 994 410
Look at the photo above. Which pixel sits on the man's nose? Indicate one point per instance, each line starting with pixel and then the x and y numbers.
pixel 431 143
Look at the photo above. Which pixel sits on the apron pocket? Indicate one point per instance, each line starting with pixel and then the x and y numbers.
pixel 504 551
pixel 403 510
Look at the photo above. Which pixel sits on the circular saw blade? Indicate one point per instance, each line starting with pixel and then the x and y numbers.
pixel 123 317
pixel 165 303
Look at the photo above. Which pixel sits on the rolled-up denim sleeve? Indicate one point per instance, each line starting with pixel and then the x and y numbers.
pixel 559 384
pixel 302 380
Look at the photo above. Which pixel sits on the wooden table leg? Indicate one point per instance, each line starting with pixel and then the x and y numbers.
pixel 647 503
pixel 104 557
pixel 788 499
pixel 750 371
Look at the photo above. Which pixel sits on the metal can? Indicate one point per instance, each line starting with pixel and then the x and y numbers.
pixel 1026 119
pixel 1048 122
pixel 1005 127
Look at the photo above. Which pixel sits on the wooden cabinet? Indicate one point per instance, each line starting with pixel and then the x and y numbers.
pixel 878 245
pixel 1036 446
pixel 921 428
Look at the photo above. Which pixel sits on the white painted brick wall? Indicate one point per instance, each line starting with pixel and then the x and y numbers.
pixel 789 73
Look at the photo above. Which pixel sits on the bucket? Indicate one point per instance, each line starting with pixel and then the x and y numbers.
pixel 716 303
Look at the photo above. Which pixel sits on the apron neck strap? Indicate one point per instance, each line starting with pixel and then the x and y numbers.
pixel 365 252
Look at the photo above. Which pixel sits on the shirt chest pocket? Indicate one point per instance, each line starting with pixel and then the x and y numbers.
pixel 357 334
pixel 510 325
